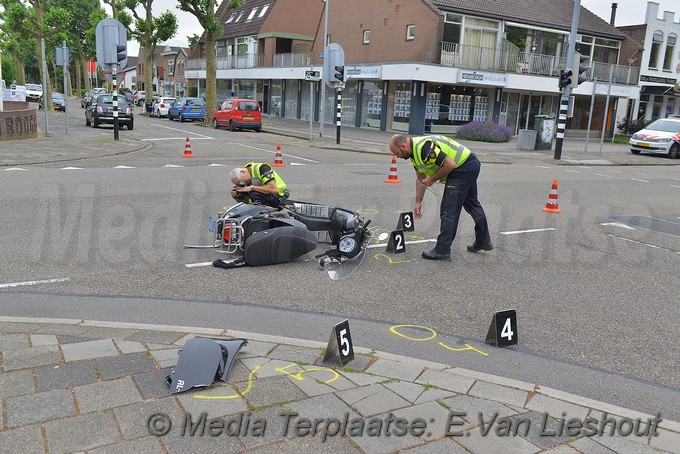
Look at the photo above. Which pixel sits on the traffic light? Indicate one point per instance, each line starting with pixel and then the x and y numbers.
pixel 581 67
pixel 565 78
pixel 121 55
pixel 340 74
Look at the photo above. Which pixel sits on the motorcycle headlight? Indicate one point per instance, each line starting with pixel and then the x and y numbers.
pixel 347 245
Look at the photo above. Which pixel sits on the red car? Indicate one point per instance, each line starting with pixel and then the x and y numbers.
pixel 238 114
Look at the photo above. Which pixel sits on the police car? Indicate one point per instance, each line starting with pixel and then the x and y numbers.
pixel 659 137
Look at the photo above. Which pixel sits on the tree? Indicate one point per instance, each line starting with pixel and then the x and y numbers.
pixel 90 13
pixel 205 12
pixel 148 32
pixel 37 19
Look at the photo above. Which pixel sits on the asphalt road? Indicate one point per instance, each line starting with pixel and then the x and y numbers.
pixel 588 291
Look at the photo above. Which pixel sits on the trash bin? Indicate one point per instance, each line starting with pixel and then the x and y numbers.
pixel 526 139
pixel 545 128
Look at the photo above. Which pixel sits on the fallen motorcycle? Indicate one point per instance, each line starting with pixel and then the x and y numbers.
pixel 261 235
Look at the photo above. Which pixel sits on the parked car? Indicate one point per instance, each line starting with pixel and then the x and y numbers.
pixel 58 102
pixel 140 96
pixel 100 111
pixel 33 92
pixel 659 137
pixel 86 99
pixel 187 109
pixel 161 106
pixel 238 114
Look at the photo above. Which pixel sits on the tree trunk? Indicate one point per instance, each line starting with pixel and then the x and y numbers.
pixel 20 74
pixel 83 65
pixel 210 78
pixel 149 51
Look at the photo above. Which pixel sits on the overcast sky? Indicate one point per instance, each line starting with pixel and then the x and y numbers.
pixel 629 12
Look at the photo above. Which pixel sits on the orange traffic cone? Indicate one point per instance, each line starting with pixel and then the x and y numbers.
pixel 551 205
pixel 278 159
pixel 392 177
pixel 187 149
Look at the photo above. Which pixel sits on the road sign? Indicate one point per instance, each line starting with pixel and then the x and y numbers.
pixel 108 75
pixel 313 76
pixel 59 55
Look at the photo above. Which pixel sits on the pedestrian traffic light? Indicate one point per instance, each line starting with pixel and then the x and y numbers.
pixel 565 78
pixel 581 66
pixel 340 73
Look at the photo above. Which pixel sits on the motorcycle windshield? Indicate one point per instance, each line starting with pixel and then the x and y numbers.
pixel 340 270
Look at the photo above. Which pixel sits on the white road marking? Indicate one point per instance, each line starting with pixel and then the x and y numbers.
pixel 359 164
pixel 45 281
pixel 616 171
pixel 171 165
pixel 572 171
pixel 618 224
pixel 297 164
pixel 274 152
pixel 177 138
pixel 603 175
pixel 542 167
pixel 514 232
pixel 14 168
pixel 371 246
pixel 194 265
pixel 641 181
pixel 191 134
pixel 654 246
pixel 674 186
pixel 123 167
pixel 72 168
pixel 677 179
pixel 217 165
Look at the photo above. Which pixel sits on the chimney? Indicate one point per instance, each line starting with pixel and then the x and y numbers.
pixel 613 16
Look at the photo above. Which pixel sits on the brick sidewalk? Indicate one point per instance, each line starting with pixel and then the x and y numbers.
pixel 74 386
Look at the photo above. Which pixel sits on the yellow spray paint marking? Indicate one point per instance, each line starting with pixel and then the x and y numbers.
pixel 467 347
pixel 394 330
pixel 389 259
pixel 434 334
pixel 233 396
pixel 415 237
pixel 299 376
pixel 367 211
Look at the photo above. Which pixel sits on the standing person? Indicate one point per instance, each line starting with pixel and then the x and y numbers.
pixel 128 97
pixel 442 158
pixel 258 183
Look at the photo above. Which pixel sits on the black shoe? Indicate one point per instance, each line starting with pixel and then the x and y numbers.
pixel 434 255
pixel 477 248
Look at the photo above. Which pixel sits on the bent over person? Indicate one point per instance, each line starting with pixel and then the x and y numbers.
pixel 440 158
pixel 258 183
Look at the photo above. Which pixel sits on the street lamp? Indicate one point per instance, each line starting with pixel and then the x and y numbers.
pixel 323 86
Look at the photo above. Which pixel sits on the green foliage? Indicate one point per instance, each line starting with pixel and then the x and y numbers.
pixel 629 126
pixel 8 70
pixel 193 91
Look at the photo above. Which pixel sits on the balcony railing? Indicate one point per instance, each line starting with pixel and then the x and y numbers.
pixel 511 60
pixel 248 60
pixel 292 59
pixel 252 60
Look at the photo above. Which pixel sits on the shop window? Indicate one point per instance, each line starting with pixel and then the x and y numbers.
pixel 668 55
pixel 410 32
pixel 367 36
pixel 656 45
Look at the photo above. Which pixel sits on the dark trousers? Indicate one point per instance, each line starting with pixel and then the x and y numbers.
pixel 271 200
pixel 460 192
